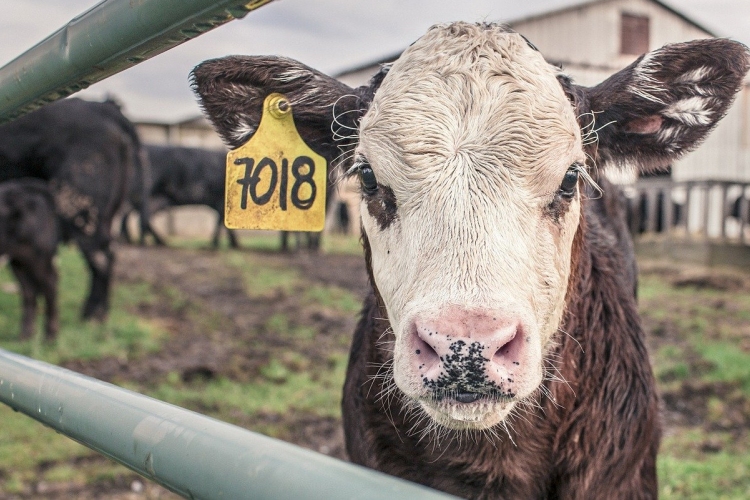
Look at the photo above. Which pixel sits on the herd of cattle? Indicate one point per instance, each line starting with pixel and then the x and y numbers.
pixel 66 171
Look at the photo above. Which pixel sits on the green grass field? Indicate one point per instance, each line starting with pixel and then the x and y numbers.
pixel 699 340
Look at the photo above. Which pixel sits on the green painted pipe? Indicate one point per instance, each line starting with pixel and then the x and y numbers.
pixel 192 455
pixel 108 38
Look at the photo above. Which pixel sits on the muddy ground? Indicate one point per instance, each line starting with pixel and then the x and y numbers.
pixel 217 330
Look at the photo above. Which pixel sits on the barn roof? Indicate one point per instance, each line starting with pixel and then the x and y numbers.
pixel 577 4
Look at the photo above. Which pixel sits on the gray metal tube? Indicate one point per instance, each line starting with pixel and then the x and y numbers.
pixel 193 455
pixel 108 38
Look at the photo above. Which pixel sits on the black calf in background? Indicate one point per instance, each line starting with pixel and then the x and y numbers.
pixel 29 235
pixel 88 152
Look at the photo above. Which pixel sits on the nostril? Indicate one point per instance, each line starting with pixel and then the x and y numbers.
pixel 425 352
pixel 510 350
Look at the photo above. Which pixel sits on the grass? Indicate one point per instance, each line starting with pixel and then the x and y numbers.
pixel 686 472
pixel 279 390
pixel 286 388
pixel 24 444
pixel 730 364
pixel 332 297
pixel 270 241
pixel 698 334
pixel 701 331
pixel 123 335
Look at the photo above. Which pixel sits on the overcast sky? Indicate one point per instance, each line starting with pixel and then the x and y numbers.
pixel 330 35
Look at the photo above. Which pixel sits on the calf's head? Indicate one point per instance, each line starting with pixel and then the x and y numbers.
pixel 472 152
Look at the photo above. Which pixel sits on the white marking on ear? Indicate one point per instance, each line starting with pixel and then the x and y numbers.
pixel 692 111
pixel 242 131
pixel 644 84
pixel 292 74
pixel 695 76
pixel 668 134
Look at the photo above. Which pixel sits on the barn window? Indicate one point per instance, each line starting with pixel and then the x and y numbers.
pixel 633 34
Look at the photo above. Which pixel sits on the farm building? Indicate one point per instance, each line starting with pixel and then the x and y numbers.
pixel 591 40
pixel 194 132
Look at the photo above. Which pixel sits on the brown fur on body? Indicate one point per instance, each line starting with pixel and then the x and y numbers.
pixel 597 439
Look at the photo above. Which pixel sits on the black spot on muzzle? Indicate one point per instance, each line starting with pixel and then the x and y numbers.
pixel 464 376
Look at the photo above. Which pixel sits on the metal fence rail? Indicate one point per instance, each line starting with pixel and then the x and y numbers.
pixel 192 455
pixel 111 36
pixel 707 210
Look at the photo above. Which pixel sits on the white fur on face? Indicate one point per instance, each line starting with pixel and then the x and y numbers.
pixel 473 133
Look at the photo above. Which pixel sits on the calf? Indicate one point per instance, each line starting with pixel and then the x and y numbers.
pixel 185 176
pixel 500 353
pixel 29 236
pixel 87 151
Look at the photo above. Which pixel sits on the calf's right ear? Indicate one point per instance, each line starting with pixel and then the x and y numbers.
pixel 664 104
pixel 231 91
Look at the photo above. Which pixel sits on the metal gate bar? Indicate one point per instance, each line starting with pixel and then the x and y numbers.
pixel 108 38
pixel 192 455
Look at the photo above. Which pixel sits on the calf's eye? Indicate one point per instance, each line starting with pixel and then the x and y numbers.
pixel 367 178
pixel 569 182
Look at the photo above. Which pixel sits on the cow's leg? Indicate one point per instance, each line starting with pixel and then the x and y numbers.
pixel 284 241
pixel 219 225
pixel 48 283
pixel 313 241
pixel 28 297
pixel 233 241
pixel 145 211
pixel 124 232
pixel 217 229
pixel 215 238
pixel 147 228
pixel 100 259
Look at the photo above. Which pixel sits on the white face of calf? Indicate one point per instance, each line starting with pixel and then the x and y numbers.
pixel 471 218
pixel 469 153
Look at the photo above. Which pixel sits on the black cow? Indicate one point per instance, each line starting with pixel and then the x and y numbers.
pixel 88 152
pixel 185 176
pixel 29 235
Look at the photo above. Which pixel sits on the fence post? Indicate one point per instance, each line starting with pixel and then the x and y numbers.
pixel 743 215
pixel 724 212
pixel 688 201
pixel 706 205
pixel 668 209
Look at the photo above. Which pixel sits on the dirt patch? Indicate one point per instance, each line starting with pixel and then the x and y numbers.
pixel 710 282
pixel 218 329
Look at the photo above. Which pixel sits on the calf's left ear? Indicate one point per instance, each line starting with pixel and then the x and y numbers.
pixel 662 105
pixel 232 90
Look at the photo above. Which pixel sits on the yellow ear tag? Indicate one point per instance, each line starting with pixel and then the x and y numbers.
pixel 274 180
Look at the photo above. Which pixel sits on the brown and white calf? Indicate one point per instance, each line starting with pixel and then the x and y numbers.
pixel 500 353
